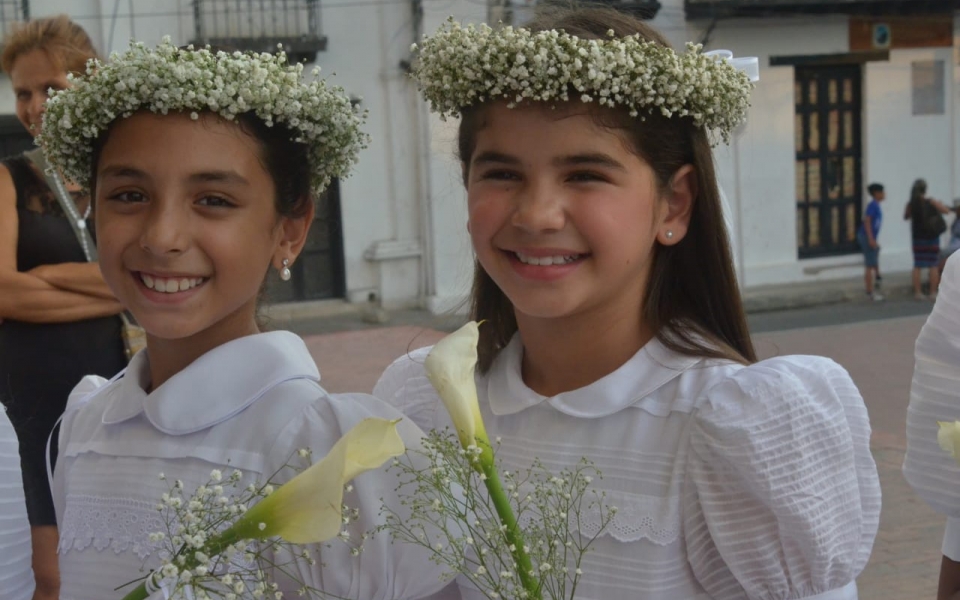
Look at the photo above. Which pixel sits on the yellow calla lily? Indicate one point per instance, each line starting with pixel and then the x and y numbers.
pixel 306 509
pixel 949 437
pixel 450 367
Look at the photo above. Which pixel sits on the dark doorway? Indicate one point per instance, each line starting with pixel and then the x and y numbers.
pixel 828 159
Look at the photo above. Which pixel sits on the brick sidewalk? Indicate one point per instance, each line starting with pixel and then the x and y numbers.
pixel 879 357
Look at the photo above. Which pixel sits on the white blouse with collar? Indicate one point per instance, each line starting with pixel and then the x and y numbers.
pixel 250 405
pixel 731 482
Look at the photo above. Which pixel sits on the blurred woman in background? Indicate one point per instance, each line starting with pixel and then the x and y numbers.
pixel 59 319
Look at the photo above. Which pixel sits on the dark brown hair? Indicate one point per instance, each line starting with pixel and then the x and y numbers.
pixel 66 44
pixel 692 299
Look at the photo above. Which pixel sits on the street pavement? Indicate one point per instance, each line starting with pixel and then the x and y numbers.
pixel 872 341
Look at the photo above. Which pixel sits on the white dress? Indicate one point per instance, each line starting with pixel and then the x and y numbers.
pixel 731 482
pixel 249 404
pixel 935 396
pixel 16 554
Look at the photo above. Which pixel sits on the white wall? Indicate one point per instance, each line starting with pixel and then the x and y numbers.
pixel 451 254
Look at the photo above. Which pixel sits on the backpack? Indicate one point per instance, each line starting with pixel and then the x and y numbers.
pixel 933 222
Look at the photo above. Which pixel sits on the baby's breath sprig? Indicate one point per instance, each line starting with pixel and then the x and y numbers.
pixel 458 67
pixel 193 564
pixel 193 80
pixel 447 509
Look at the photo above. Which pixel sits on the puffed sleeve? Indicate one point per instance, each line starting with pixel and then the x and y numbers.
pixel 782 499
pixel 935 396
pixel 16 573
pixel 383 570
pixel 404 385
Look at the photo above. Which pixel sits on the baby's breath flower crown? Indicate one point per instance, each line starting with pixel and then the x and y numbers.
pixel 169 78
pixel 461 66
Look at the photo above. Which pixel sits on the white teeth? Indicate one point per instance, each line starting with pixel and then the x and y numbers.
pixel 170 286
pixel 546 261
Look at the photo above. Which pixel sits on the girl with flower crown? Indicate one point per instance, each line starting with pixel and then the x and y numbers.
pixel 612 327
pixel 202 167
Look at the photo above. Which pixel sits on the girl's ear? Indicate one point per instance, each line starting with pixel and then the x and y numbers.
pixel 293 235
pixel 678 200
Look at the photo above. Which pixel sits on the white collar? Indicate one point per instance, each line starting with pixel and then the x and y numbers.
pixel 213 388
pixel 650 368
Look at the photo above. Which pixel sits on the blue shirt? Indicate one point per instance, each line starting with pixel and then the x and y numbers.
pixel 876 218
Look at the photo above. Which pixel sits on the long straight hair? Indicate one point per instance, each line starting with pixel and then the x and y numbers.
pixel 692 302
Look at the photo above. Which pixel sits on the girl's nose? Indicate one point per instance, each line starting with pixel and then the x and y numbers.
pixel 163 231
pixel 539 208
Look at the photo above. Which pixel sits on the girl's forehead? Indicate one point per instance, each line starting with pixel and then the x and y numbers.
pixel 180 143
pixel 572 123
pixel 181 128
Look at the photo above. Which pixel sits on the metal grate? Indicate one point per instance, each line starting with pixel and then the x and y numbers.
pixel 12 11
pixel 260 25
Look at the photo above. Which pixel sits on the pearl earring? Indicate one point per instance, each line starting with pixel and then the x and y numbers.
pixel 285 271
pixel 669 234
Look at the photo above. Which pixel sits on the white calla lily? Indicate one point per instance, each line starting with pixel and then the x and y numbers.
pixel 450 367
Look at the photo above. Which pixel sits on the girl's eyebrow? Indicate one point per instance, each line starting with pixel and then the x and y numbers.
pixel 220 176
pixel 122 171
pixel 589 158
pixel 598 159
pixel 491 156
pixel 224 176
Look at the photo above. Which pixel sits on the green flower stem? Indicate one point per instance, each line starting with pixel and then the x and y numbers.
pixel 214 547
pixel 514 536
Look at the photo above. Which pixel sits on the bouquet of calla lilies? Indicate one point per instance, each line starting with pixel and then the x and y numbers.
pixel 510 534
pixel 206 559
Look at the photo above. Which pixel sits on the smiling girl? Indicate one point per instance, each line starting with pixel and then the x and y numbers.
pixel 612 326
pixel 202 167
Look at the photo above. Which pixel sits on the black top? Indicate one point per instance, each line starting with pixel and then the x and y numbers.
pixel 41 362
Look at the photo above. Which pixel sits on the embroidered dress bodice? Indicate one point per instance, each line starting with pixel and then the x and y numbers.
pixel 731 482
pixel 249 405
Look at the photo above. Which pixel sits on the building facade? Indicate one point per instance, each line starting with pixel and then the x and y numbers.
pixel 851 92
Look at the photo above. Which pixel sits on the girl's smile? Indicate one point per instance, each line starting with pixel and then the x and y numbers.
pixel 170 285
pixel 545 264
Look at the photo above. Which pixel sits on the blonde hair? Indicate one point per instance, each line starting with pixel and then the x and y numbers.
pixel 66 44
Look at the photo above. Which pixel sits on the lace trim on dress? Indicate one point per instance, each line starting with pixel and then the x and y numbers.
pixel 638 517
pixel 120 524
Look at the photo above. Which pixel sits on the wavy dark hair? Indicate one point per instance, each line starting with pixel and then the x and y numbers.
pixel 692 298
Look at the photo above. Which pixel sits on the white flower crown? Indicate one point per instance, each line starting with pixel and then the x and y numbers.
pixel 461 66
pixel 169 78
